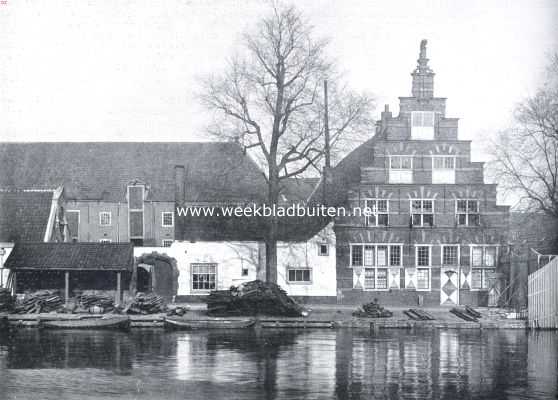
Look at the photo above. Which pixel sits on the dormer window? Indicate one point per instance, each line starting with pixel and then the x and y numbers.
pixel 422 125
pixel 400 169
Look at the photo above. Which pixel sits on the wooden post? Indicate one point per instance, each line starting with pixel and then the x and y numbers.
pixel 14 283
pixel 67 286
pixel 118 288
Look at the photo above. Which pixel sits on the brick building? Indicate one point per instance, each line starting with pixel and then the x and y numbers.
pixel 437 235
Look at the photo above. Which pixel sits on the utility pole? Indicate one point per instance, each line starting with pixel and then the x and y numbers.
pixel 327 164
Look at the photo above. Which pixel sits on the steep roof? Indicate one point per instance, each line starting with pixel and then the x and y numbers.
pixel 24 215
pixel 72 256
pixel 215 172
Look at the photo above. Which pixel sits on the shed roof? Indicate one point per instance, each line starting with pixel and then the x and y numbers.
pixel 24 215
pixel 71 256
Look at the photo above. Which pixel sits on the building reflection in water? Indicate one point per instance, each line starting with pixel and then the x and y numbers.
pixel 344 364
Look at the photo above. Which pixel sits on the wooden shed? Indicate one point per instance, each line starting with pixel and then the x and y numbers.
pixel 72 267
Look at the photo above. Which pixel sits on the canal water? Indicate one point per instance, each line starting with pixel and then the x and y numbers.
pixel 269 364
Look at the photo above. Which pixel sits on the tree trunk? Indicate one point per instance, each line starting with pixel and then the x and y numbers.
pixel 271 240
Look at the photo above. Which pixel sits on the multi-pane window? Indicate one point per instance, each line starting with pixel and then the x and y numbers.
pixel 167 218
pixel 323 249
pixel 400 169
pixel 105 241
pixel 379 210
pixel 299 274
pixel 483 263
pixel 467 212
pixel 422 125
pixel 167 242
pixel 204 276
pixel 422 212
pixel 104 218
pixel 443 169
pixel 423 278
pixel 379 255
pixel 375 278
pixel 450 255
pixel 423 256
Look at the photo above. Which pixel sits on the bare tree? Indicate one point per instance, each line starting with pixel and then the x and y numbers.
pixel 270 100
pixel 527 154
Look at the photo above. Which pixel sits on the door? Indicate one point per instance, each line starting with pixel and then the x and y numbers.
pixel 449 286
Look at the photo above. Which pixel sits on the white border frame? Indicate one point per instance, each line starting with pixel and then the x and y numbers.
pixel 467 213
pixel 101 213
pixel 433 200
pixel 136 209
pixel 163 219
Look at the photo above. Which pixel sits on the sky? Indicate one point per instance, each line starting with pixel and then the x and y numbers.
pixel 128 70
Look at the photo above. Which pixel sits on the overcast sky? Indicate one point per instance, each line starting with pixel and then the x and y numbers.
pixel 126 70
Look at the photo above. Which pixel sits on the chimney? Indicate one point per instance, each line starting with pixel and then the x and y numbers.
pixel 179 185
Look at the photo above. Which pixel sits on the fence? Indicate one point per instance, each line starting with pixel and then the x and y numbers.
pixel 543 297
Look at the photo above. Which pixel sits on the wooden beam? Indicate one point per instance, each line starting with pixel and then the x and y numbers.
pixel 118 296
pixel 67 286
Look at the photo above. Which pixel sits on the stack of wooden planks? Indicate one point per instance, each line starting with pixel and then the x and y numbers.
pixel 146 303
pixel 418 315
pixel 253 298
pixel 6 300
pixel 88 301
pixel 42 301
pixel 467 313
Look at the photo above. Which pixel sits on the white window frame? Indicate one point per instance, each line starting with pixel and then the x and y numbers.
pixel 429 270
pixel 163 219
pixel 376 288
pixel 375 263
pixel 483 268
pixel 422 213
pixel 444 174
pixel 105 240
pixel 375 212
pixel 320 254
pixel 204 290
pixel 142 209
pixel 399 171
pixel 466 212
pixel 299 282
pixel 105 213
pixel 422 131
pixel 429 246
pixel 164 241
pixel 458 262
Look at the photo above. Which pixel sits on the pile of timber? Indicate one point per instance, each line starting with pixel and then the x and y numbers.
pixel 43 301
pixel 94 302
pixel 467 313
pixel 372 310
pixel 253 298
pixel 418 315
pixel 6 300
pixel 146 303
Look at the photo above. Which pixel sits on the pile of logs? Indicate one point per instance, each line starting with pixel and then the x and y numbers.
pixel 145 303
pixel 372 310
pixel 418 315
pixel 6 300
pixel 253 298
pixel 103 303
pixel 43 301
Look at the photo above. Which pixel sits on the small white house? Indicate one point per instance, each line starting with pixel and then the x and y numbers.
pixel 304 268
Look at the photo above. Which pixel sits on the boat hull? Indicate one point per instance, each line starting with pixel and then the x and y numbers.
pixel 101 323
pixel 191 324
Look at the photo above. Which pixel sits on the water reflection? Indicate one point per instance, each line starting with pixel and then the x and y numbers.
pixel 344 364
